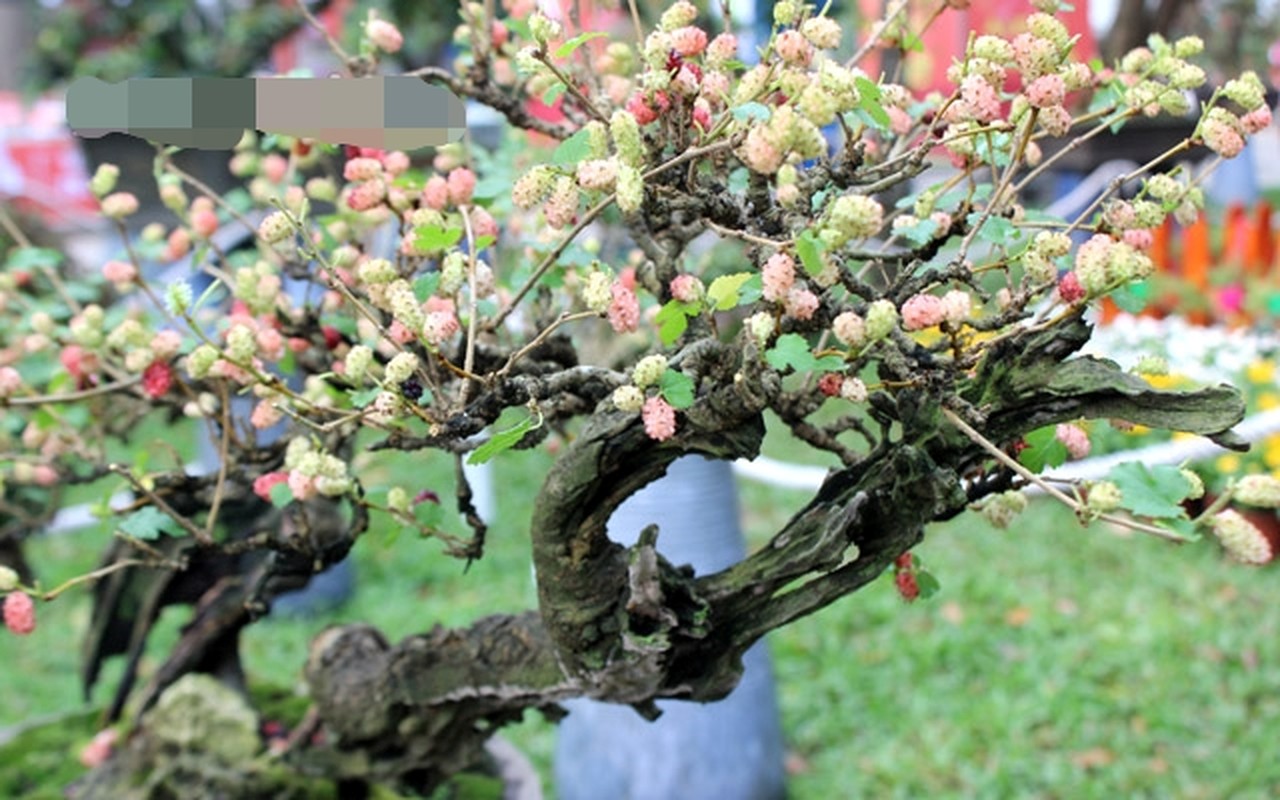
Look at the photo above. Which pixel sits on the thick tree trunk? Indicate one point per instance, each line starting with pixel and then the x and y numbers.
pixel 624 625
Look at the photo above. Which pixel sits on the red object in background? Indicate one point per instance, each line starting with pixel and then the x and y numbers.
pixel 42 168
pixel 286 54
pixel 947 37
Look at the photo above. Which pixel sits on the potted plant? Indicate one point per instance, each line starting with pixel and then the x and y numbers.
pixel 941 334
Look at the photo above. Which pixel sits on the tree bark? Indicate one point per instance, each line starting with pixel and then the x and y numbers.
pixel 624 625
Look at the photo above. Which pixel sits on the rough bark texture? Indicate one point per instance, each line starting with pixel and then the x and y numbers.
pixel 624 625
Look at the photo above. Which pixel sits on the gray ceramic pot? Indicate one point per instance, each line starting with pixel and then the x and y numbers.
pixel 730 750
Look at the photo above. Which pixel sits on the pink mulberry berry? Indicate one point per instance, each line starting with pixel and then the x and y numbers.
pixel 659 419
pixel 19 613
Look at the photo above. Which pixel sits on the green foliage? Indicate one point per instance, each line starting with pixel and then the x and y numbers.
pixel 809 247
pixel 792 351
pixel 147 523
pixel 725 292
pixel 569 47
pixel 504 440
pixel 677 388
pixel 574 149
pixel 1151 491
pixel 1043 449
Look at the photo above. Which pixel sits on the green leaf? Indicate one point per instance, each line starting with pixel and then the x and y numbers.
pixel 363 397
pixel 724 292
pixel 553 92
pixel 996 230
pixel 809 247
pixel 676 388
pixel 1043 449
pixel 146 523
pixel 929 585
pixel 574 149
pixel 565 50
pixel 1150 491
pixel 484 241
pixel 281 495
pixel 425 285
pixel 790 350
pixel 672 321
pixel 869 101
pixel 1131 298
pixel 435 237
pixel 922 232
pixel 31 257
pixel 503 440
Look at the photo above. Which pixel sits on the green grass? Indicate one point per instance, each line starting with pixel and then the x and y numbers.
pixel 1055 662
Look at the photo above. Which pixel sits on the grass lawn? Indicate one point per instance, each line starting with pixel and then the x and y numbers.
pixel 1055 662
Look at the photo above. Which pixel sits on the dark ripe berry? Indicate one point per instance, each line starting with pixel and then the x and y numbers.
pixel 903 561
pixel 411 389
pixel 674 61
pixel 332 338
pixel 350 151
pixel 908 586
pixel 830 384
pixel 1069 288
pixel 425 496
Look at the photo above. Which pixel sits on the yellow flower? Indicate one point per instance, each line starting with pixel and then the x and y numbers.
pixel 1139 430
pixel 1268 401
pixel 1261 372
pixel 1228 464
pixel 1170 381
pixel 1182 436
pixel 1271 451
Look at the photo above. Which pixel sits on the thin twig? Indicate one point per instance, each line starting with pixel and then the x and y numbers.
pixel 159 502
pixel 103 572
pixel 469 359
pixel 223 458
pixel 71 397
pixel 1072 503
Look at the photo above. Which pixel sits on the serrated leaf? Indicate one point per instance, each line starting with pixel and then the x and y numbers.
pixel 809 247
pixel 435 237
pixel 1043 449
pixel 574 149
pixel 869 101
pixel 996 230
pixel 281 495
pixel 565 50
pixel 676 388
pixel 791 350
pixel 920 233
pixel 146 523
pixel 1150 491
pixel 672 322
pixel 502 440
pixel 724 292
pixel 363 397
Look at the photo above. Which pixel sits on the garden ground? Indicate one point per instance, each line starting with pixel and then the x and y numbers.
pixel 1056 661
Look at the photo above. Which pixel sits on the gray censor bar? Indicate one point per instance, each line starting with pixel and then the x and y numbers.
pixel 392 113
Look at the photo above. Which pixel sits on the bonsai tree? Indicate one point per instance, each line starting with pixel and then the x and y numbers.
pixel 928 342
